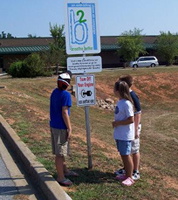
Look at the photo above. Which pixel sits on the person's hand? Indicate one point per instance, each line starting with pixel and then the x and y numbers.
pixel 69 131
pixel 113 124
pixel 136 134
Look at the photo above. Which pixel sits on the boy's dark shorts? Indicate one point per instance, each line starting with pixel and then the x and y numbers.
pixel 60 145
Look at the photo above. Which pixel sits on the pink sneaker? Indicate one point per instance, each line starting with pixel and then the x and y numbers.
pixel 121 177
pixel 128 182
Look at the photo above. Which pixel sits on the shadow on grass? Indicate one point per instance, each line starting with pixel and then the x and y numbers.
pixel 92 176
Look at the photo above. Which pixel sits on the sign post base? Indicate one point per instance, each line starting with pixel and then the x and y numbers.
pixel 90 165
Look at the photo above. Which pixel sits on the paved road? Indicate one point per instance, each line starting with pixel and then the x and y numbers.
pixel 7 187
pixel 13 184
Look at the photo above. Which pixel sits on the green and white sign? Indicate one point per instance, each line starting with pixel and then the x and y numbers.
pixel 82 34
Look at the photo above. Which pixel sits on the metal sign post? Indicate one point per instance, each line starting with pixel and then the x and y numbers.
pixel 82 37
pixel 87 120
pixel 85 93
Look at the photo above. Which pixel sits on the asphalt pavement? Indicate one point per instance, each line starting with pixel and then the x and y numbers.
pixel 13 184
pixel 7 187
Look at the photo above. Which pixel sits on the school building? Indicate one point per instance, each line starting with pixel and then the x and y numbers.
pixel 13 49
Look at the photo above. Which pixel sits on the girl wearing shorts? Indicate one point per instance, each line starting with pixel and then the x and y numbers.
pixel 124 129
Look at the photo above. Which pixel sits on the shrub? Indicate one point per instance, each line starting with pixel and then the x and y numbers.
pixel 32 66
pixel 15 69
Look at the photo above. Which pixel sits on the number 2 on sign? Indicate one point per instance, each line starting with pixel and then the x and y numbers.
pixel 81 20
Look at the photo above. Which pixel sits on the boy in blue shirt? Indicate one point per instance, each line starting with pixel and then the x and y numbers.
pixel 60 125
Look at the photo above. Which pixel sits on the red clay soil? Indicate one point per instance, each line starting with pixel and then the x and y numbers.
pixel 158 86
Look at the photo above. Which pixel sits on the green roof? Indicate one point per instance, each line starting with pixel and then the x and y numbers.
pixel 109 46
pixel 23 49
pixel 30 49
pixel 37 48
pixel 116 47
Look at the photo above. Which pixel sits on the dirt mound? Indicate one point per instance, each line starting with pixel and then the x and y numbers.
pixel 149 88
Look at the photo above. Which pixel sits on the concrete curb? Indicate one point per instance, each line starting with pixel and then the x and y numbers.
pixel 45 181
pixel 3 74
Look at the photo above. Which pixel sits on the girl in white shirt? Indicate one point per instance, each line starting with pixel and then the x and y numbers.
pixel 124 129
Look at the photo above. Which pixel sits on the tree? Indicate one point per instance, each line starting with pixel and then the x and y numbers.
pixel 56 54
pixel 167 46
pixel 131 44
pixel 4 35
pixel 31 36
pixel 57 48
pixel 9 35
pixel 57 32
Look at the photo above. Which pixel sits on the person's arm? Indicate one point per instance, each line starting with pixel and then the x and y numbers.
pixel 137 119
pixel 137 115
pixel 67 121
pixel 129 120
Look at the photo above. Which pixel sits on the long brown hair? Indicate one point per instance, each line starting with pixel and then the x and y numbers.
pixel 123 89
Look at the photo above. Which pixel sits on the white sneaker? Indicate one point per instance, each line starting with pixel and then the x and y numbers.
pixel 136 175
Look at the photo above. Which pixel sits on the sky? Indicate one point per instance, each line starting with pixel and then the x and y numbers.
pixel 23 17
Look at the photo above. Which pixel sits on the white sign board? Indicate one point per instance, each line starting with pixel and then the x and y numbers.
pixel 85 90
pixel 82 34
pixel 84 64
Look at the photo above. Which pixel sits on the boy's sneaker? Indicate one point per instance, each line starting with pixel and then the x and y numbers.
pixel 120 171
pixel 136 175
pixel 65 182
pixel 121 177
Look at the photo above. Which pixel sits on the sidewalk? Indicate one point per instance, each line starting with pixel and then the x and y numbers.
pixel 7 187
pixel 13 184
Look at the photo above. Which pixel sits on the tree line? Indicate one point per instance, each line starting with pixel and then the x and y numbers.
pixel 4 35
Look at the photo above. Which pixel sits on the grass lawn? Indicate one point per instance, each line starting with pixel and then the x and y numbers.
pixel 24 103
